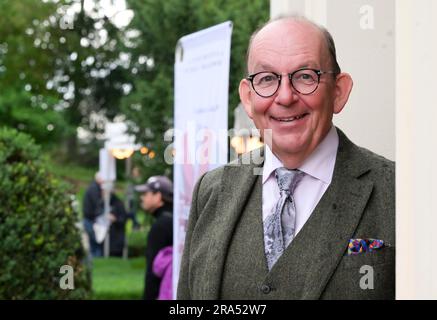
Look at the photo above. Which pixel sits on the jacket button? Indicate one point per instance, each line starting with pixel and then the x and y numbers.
pixel 266 289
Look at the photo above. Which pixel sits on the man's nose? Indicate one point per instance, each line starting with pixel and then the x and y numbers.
pixel 286 94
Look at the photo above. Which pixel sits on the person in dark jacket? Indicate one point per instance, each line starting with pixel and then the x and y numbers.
pixel 92 208
pixel 157 199
pixel 118 218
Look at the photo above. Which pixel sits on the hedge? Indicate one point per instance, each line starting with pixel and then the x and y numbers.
pixel 37 226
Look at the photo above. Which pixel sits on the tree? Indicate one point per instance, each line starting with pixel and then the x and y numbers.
pixel 25 101
pixel 88 72
pixel 60 68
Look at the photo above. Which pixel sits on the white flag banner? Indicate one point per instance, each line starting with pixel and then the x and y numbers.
pixel 201 119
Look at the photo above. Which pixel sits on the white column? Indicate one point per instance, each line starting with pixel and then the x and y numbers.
pixel 317 10
pixel 314 9
pixel 286 7
pixel 416 149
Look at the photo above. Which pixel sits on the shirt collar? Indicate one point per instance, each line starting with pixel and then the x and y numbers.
pixel 320 164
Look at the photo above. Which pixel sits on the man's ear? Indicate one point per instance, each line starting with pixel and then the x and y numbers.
pixel 343 88
pixel 244 91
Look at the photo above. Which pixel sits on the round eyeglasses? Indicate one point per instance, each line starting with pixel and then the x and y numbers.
pixel 304 81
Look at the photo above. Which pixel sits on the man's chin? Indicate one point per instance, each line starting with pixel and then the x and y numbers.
pixel 287 149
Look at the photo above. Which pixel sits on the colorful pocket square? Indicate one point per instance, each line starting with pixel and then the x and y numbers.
pixel 358 246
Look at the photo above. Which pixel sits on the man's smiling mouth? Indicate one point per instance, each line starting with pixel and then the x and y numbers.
pixel 290 119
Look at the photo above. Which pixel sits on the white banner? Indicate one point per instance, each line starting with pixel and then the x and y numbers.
pixel 201 118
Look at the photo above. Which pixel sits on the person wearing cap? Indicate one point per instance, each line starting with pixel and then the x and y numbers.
pixel 157 199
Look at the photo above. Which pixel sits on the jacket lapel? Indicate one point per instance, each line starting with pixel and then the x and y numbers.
pixel 341 212
pixel 341 209
pixel 237 184
pixel 312 257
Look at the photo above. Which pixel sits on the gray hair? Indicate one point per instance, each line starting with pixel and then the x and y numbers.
pixel 299 18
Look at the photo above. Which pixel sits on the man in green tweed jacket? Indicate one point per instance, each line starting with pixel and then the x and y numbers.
pixel 329 231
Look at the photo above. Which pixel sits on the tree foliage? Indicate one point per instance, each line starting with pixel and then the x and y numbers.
pixel 25 101
pixel 60 68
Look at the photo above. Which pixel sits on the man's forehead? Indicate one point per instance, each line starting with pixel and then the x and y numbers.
pixel 306 63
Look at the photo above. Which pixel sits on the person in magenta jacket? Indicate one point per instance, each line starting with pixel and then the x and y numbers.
pixel 162 268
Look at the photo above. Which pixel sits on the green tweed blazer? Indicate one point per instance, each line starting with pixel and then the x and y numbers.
pixel 224 250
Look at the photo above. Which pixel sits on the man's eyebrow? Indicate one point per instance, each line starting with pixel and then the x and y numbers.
pixel 309 64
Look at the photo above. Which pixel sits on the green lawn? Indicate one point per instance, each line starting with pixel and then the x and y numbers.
pixel 115 278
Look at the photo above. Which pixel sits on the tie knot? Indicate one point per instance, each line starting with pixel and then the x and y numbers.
pixel 288 179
